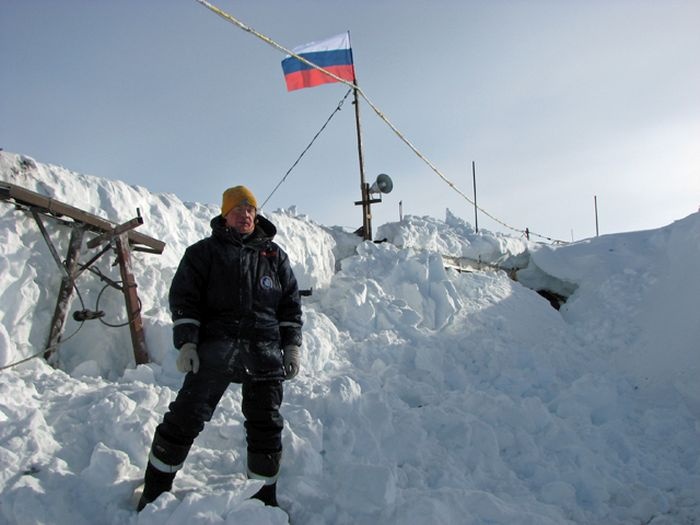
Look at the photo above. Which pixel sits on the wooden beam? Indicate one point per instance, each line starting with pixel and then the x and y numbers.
pixel 64 294
pixel 52 248
pixel 117 230
pixel 30 198
pixel 133 305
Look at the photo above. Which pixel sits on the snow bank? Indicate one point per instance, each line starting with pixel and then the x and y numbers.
pixel 634 301
pixel 457 238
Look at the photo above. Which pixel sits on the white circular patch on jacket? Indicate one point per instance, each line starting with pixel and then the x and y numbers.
pixel 266 282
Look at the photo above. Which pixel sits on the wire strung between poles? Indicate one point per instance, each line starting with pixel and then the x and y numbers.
pixel 226 16
pixel 336 110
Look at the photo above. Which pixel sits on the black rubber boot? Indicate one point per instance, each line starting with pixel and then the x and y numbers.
pixel 268 495
pixel 168 457
pixel 155 483
pixel 265 467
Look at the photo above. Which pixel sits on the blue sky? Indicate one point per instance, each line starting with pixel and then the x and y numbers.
pixel 555 102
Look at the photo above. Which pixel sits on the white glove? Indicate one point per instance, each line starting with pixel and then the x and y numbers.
pixel 188 360
pixel 291 361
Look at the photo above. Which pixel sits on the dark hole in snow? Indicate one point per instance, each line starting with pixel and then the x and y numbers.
pixel 555 299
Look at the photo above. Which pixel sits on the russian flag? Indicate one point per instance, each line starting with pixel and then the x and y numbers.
pixel 333 55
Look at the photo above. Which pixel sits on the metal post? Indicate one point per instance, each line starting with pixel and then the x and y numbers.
pixel 400 211
pixel 133 306
pixel 476 218
pixel 595 203
pixel 64 294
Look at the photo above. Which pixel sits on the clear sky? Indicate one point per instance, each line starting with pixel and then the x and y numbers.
pixel 555 101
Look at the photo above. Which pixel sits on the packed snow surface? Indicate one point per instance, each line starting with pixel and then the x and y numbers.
pixel 426 395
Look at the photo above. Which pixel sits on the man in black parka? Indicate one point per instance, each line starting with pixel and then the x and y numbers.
pixel 236 318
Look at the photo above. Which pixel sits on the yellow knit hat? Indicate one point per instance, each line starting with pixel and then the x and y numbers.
pixel 236 196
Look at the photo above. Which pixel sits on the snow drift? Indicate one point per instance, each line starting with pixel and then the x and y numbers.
pixel 426 395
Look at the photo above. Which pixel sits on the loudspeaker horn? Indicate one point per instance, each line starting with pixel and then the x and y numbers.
pixel 383 184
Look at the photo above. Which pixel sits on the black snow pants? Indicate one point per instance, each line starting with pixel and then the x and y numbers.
pixel 194 406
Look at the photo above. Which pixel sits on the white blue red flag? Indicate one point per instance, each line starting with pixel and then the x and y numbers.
pixel 333 54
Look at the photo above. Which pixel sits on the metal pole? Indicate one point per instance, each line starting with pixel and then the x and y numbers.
pixel 595 203
pixel 476 218
pixel 400 211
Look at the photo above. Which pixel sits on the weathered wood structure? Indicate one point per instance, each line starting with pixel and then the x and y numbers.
pixel 121 238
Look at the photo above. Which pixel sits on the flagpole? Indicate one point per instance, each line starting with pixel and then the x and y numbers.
pixel 364 187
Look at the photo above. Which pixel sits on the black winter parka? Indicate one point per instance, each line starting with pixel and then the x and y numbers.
pixel 237 298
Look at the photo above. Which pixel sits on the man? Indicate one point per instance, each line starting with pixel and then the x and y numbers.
pixel 236 318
